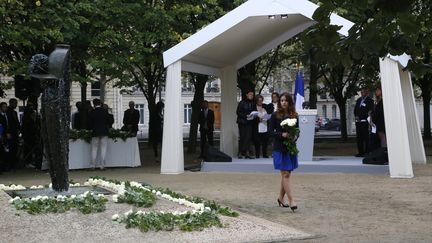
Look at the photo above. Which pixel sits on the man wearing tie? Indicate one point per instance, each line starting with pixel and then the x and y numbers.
pixel 206 121
pixel 364 106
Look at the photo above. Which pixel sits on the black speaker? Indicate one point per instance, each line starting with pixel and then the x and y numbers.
pixel 21 86
pixel 377 157
pixel 215 155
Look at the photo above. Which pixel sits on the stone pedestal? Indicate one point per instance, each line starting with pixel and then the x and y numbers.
pixel 305 142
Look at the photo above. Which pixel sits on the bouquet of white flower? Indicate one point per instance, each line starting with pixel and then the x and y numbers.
pixel 289 126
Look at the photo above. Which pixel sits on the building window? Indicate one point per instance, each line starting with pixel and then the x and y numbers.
pixel 323 95
pixel 140 108
pixel 187 114
pixel 95 89
pixel 324 111
pixel 334 109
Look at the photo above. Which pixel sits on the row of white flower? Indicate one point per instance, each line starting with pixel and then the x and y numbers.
pixel 60 198
pixel 116 217
pixel 21 187
pixel 120 190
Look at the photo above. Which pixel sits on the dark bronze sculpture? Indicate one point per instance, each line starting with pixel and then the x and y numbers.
pixel 54 76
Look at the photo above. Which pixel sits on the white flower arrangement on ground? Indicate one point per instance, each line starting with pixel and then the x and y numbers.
pixel 199 217
pixel 120 190
pixel 88 202
pixel 12 187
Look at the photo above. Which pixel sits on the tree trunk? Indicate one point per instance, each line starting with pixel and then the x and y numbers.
pixel 343 118
pixel 426 96
pixel 200 83
pixel 246 78
pixel 313 86
pixel 102 81
pixel 152 119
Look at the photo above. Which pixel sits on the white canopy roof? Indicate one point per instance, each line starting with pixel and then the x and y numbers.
pixel 245 34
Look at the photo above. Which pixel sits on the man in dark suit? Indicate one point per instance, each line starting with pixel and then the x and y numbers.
pixel 99 122
pixel 206 122
pixel 363 107
pixel 110 116
pixel 13 130
pixel 4 149
pixel 131 119
pixel 76 118
pixel 245 123
pixel 273 106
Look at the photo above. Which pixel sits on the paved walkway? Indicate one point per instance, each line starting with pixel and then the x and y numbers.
pixel 320 164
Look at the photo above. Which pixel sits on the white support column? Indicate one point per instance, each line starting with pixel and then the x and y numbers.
pixel 172 143
pixel 395 120
pixel 229 129
pixel 414 133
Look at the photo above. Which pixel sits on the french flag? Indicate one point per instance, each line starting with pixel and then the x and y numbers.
pixel 299 91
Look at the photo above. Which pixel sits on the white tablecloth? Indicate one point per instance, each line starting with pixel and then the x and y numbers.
pixel 119 154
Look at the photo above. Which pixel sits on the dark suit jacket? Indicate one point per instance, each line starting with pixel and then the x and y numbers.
pixel 209 121
pixel 270 108
pixel 244 108
pixel 76 117
pixel 99 122
pixel 378 116
pixel 13 122
pixel 276 131
pixel 3 122
pixel 131 117
pixel 362 111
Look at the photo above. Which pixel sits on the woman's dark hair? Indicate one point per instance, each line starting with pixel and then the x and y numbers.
pixel 290 112
pixel 275 93
pixel 257 97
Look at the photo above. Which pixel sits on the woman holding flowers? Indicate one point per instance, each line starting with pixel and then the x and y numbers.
pixel 284 128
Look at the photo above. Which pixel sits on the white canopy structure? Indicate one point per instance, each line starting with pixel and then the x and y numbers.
pixel 220 49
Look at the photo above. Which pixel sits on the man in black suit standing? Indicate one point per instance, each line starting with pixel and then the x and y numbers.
pixel 4 148
pixel 13 130
pixel 206 122
pixel 131 119
pixel 99 123
pixel 245 123
pixel 363 107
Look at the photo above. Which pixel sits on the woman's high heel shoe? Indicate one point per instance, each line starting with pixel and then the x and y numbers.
pixel 281 204
pixel 293 208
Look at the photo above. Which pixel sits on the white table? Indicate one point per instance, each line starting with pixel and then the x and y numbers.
pixel 119 154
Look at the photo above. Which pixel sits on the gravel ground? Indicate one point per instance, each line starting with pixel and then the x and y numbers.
pixel 332 207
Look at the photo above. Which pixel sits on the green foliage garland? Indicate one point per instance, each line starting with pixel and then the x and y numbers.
pixel 138 197
pixel 87 204
pixel 83 134
pixel 157 221
pixel 86 135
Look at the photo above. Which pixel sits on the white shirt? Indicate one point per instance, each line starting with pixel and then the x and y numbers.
pixel 262 125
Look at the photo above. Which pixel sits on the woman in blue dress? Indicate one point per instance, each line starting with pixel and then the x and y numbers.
pixel 282 160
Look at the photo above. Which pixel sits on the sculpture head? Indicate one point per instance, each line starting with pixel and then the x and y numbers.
pixel 38 64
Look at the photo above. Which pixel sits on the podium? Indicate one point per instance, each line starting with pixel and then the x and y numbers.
pixel 305 143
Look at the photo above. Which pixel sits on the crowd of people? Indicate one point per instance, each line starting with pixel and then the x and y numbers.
pixel 253 117
pixel 11 127
pixel 21 142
